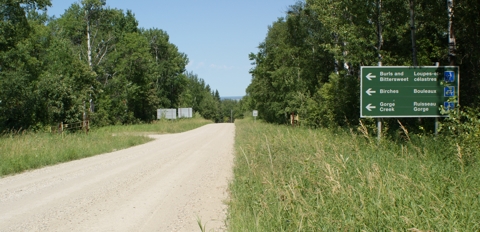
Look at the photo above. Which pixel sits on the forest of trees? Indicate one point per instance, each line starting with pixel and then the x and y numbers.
pixel 309 62
pixel 93 59
pixel 96 59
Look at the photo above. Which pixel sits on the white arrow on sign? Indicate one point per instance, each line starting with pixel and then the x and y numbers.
pixel 370 91
pixel 370 107
pixel 370 76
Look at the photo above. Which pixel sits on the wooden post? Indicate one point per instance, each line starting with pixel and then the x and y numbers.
pixel 61 128
pixel 84 115
pixel 291 119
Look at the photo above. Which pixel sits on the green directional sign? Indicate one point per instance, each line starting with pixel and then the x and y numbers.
pixel 402 91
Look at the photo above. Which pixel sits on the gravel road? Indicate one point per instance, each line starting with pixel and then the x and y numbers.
pixel 164 185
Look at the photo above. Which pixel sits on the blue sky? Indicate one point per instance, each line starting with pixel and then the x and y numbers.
pixel 216 35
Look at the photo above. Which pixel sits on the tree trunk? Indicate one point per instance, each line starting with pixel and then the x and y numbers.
pixel 336 63
pixel 451 36
pixel 89 43
pixel 379 31
pixel 412 29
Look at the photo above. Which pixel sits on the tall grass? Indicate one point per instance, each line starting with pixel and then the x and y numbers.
pixel 323 180
pixel 27 150
pixel 159 127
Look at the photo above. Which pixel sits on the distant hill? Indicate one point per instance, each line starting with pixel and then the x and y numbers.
pixel 237 98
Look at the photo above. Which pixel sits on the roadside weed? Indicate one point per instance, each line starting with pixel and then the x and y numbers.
pixel 296 179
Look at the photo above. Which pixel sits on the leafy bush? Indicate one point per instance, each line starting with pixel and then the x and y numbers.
pixel 463 130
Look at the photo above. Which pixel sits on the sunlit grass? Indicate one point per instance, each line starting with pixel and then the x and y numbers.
pixel 159 127
pixel 26 150
pixel 295 179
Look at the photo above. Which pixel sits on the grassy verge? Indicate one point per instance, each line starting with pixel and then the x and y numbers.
pixel 26 151
pixel 320 180
pixel 158 127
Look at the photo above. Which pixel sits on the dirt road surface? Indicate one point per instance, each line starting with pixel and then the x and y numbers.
pixel 164 185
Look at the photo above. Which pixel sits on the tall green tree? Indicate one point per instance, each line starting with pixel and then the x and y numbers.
pixel 169 67
pixel 291 65
pixel 14 25
pixel 133 82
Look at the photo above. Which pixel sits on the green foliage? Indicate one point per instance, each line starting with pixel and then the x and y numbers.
pixel 231 108
pixel 132 80
pixel 462 127
pixel 41 82
pixel 335 103
pixel 93 60
pixel 468 50
pixel 310 60
pixel 14 25
pixel 16 101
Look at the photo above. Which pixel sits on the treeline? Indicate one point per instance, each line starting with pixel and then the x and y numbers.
pixel 92 60
pixel 309 62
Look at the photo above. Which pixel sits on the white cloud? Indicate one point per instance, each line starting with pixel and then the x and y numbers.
pixel 200 65
pixel 221 67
